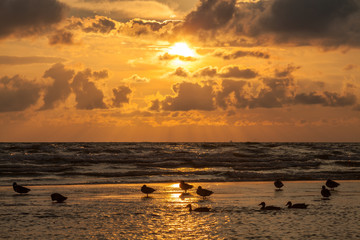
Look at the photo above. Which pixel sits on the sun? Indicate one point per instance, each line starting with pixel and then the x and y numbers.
pixel 181 49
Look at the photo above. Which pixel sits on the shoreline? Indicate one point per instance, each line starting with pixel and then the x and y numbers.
pixel 174 182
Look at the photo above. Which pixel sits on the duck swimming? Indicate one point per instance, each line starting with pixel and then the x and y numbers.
pixel 58 197
pixel 278 184
pixel 185 186
pixel 264 207
pixel 331 184
pixel 325 192
pixel 296 205
pixel 203 192
pixel 147 190
pixel 200 209
pixel 20 189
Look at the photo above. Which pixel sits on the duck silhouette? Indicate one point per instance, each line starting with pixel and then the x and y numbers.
pixel 296 205
pixel 278 184
pixel 147 190
pixel 185 186
pixel 264 207
pixel 20 189
pixel 325 192
pixel 203 192
pixel 331 184
pixel 200 209
pixel 58 197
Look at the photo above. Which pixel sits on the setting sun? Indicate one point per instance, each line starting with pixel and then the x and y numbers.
pixel 181 49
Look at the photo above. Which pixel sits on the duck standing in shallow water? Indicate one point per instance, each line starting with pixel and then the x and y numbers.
pixel 296 205
pixel 58 197
pixel 147 190
pixel 278 184
pixel 331 184
pixel 200 209
pixel 264 207
pixel 20 189
pixel 325 192
pixel 203 192
pixel 185 186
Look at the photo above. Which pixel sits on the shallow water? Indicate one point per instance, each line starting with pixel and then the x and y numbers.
pixel 120 211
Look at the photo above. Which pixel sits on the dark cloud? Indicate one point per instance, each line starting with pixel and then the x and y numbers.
pixel 236 72
pixel 287 71
pixel 232 88
pixel 101 25
pixel 62 37
pixel 210 15
pixel 327 23
pixel 121 96
pixel 240 53
pixel 306 16
pixel 206 72
pixel 180 72
pixel 226 72
pixel 137 27
pixel 155 105
pixel 60 90
pixel 17 94
pixel 189 96
pixel 12 60
pixel 29 17
pixel 276 93
pixel 327 99
pixel 88 96
pixel 100 74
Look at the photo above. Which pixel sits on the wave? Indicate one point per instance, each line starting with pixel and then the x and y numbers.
pixel 62 163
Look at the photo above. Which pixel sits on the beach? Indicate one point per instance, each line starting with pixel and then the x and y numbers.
pixel 121 211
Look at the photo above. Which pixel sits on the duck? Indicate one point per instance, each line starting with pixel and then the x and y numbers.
pixel 185 186
pixel 58 197
pixel 278 184
pixel 200 209
pixel 203 192
pixel 331 184
pixel 296 205
pixel 325 192
pixel 264 207
pixel 20 189
pixel 147 190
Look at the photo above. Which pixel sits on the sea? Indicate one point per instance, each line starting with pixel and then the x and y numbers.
pixel 102 182
pixel 150 162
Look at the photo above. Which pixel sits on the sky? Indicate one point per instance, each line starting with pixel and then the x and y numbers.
pixel 190 70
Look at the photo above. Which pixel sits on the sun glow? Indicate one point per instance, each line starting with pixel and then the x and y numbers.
pixel 181 49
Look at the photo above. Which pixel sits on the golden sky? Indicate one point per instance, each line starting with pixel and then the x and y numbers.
pixel 190 70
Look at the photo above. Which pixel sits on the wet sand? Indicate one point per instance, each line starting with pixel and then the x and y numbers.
pixel 120 211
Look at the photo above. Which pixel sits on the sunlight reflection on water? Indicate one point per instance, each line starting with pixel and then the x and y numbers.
pixel 122 212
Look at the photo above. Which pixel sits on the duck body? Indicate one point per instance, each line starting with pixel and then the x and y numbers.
pixel 200 209
pixel 264 207
pixel 296 205
pixel 331 184
pixel 58 197
pixel 20 189
pixel 325 192
pixel 203 192
pixel 185 186
pixel 278 184
pixel 147 190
